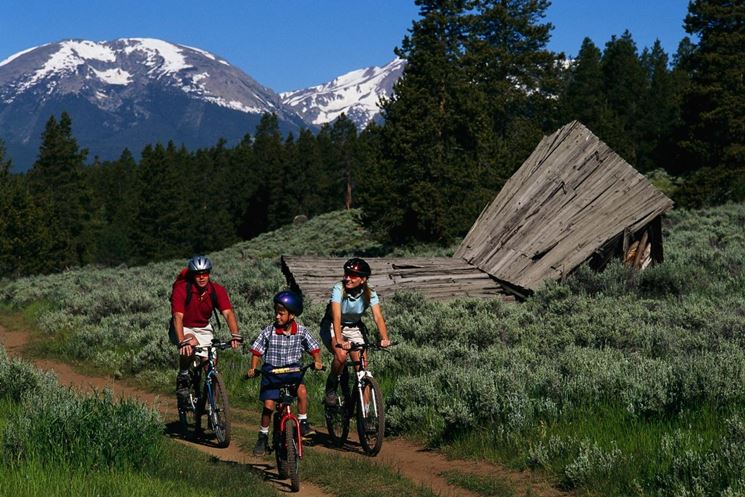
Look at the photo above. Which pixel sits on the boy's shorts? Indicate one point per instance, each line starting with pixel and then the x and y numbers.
pixel 271 383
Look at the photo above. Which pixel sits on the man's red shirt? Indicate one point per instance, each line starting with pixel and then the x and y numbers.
pixel 197 313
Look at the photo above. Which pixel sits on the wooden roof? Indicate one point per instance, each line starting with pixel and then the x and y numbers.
pixel 571 196
pixel 439 278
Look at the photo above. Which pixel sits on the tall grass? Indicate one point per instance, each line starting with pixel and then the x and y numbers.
pixel 617 382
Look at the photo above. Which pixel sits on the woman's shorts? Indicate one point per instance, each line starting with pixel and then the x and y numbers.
pixel 348 333
pixel 271 383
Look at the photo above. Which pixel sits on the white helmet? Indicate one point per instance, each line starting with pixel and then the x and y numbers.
pixel 199 263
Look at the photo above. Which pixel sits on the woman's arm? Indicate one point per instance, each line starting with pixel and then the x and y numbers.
pixel 380 323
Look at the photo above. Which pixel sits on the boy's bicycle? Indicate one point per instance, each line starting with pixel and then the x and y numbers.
pixel 207 395
pixel 362 398
pixel 287 440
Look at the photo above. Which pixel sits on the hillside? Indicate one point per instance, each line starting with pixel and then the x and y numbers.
pixel 616 383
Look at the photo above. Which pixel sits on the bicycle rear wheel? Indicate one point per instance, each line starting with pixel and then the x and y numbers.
pixel 219 415
pixel 337 422
pixel 187 412
pixel 293 461
pixel 371 421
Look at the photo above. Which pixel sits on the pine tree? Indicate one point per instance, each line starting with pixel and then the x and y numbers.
pixel 469 108
pixel 714 103
pixel 58 186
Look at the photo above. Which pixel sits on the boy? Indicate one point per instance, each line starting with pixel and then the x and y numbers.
pixel 282 344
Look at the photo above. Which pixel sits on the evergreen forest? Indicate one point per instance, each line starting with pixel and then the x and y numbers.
pixel 479 91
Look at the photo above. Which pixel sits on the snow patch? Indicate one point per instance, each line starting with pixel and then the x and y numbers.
pixel 161 55
pixel 114 76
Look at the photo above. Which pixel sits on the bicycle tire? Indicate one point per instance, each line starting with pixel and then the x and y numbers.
pixel 280 449
pixel 187 416
pixel 293 461
pixel 219 416
pixel 337 423
pixel 371 428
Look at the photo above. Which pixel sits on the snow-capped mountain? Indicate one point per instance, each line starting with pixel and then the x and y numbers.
pixel 356 94
pixel 129 93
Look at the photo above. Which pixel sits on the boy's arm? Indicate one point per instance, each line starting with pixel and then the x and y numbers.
pixel 316 354
pixel 254 363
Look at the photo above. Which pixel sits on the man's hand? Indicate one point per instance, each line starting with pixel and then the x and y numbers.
pixel 317 365
pixel 236 341
pixel 184 348
pixel 385 343
pixel 251 373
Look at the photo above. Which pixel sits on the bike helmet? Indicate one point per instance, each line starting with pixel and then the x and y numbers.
pixel 290 301
pixel 357 266
pixel 200 264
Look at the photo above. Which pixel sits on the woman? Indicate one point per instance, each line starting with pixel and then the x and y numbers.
pixel 342 324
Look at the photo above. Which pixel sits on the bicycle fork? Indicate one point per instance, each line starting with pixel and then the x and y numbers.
pixel 365 404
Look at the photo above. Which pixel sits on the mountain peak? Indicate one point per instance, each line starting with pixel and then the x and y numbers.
pixel 356 94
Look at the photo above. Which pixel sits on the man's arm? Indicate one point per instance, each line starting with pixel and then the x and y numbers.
pixel 184 345
pixel 232 321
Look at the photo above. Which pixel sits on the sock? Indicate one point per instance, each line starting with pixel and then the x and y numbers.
pixel 264 430
pixel 302 416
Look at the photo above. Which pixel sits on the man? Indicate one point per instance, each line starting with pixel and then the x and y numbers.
pixel 193 300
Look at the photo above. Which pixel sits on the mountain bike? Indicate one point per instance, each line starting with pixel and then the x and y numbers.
pixel 363 400
pixel 287 440
pixel 207 395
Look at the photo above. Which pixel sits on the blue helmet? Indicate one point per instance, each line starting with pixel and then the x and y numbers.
pixel 290 301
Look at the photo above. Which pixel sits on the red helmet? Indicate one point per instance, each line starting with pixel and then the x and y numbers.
pixel 357 266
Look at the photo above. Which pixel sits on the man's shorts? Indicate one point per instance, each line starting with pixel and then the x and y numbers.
pixel 271 383
pixel 204 337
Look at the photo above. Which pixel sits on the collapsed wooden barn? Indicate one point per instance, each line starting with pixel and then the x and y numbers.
pixel 573 200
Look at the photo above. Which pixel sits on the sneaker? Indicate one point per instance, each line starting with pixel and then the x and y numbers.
pixel 331 399
pixel 306 429
pixel 262 444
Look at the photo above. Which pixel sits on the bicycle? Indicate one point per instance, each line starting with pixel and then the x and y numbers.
pixel 287 440
pixel 207 397
pixel 366 402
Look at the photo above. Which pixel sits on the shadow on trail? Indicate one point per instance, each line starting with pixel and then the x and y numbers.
pixel 266 471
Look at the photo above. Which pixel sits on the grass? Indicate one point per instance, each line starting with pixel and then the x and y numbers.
pixel 478 484
pixel 181 472
pixel 614 383
pixel 357 477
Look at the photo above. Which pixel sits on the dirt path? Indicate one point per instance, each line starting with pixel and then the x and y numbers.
pixel 421 466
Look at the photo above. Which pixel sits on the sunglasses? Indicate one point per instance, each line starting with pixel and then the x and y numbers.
pixel 202 273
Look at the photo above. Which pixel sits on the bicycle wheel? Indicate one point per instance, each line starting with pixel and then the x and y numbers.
pixel 371 427
pixel 293 461
pixel 280 449
pixel 219 415
pixel 187 413
pixel 337 422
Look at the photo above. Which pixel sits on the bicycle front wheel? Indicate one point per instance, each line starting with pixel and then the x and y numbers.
pixel 371 421
pixel 293 461
pixel 219 416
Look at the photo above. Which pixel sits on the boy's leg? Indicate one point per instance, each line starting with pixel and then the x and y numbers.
pixel 262 442
pixel 302 408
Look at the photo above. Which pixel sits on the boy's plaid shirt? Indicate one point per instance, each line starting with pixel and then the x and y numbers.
pixel 279 349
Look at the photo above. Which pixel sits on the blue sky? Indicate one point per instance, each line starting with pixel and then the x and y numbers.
pixel 293 44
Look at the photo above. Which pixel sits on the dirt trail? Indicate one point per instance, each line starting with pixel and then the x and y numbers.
pixel 419 465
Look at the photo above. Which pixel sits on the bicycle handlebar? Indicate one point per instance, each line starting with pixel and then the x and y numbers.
pixel 216 344
pixel 365 346
pixel 288 369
